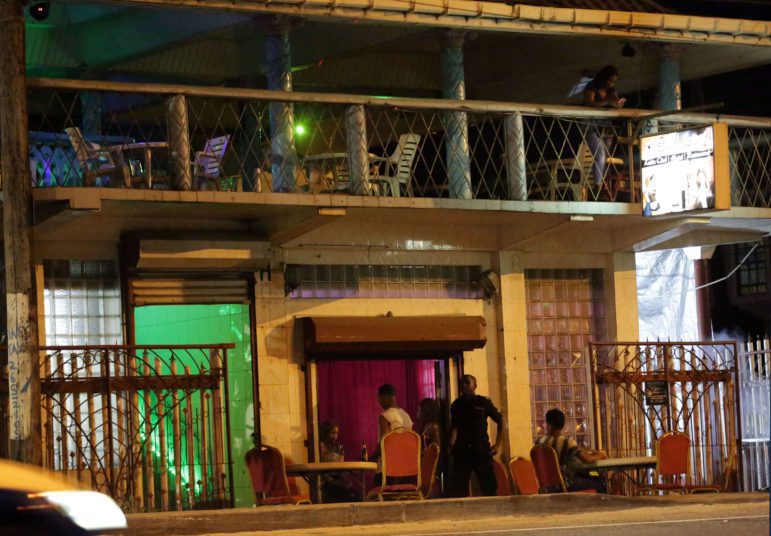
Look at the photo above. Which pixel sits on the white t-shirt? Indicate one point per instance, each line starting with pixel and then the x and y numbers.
pixel 397 418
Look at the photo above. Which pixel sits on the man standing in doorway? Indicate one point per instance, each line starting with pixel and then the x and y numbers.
pixel 470 443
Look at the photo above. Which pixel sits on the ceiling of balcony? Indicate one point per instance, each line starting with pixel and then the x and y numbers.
pixel 225 48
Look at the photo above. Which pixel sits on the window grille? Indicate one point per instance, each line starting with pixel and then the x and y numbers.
pixel 752 274
pixel 382 281
pixel 82 303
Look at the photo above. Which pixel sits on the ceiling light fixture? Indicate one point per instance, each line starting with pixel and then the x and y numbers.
pixel 40 10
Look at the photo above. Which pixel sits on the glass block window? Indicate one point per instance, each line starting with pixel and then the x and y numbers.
pixel 565 310
pixel 82 303
pixel 753 273
pixel 382 281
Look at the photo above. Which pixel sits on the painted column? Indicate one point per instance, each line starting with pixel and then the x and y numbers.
pixel 91 114
pixel 278 66
pixel 356 142
pixel 179 142
pixel 456 123
pixel 21 293
pixel 515 156
pixel 512 345
pixel 670 97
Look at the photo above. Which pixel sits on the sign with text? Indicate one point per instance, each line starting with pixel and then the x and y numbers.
pixel 686 170
pixel 656 393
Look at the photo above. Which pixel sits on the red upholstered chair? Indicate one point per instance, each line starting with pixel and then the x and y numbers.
pixel 502 478
pixel 428 470
pixel 400 456
pixel 268 475
pixel 547 470
pixel 673 464
pixel 523 474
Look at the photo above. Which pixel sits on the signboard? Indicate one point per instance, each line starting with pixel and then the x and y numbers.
pixel 686 170
pixel 656 393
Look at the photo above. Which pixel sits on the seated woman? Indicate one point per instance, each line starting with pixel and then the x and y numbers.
pixel 335 487
pixel 428 417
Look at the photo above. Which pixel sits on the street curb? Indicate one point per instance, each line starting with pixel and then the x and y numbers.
pixel 289 517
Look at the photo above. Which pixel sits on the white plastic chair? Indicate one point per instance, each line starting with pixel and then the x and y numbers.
pixel 397 168
pixel 208 163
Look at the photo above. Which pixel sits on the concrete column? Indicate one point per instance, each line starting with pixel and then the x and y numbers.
pixel 621 297
pixel 670 96
pixel 516 171
pixel 179 142
pixel 456 123
pixel 21 292
pixel 356 142
pixel 278 66
pixel 91 114
pixel 512 345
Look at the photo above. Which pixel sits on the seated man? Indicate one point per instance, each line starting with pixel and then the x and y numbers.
pixel 570 454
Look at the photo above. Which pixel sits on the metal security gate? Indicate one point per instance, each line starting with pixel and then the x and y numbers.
pixel 754 385
pixel 643 390
pixel 147 425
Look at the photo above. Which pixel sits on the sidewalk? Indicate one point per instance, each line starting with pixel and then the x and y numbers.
pixel 269 518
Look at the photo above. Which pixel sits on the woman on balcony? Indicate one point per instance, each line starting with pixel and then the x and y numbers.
pixel 601 93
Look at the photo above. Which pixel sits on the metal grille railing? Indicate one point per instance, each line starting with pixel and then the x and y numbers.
pixel 185 137
pixel 147 425
pixel 754 387
pixel 643 390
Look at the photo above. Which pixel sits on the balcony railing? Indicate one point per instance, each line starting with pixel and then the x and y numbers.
pixel 188 138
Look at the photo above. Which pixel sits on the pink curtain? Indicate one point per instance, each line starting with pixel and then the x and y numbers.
pixel 347 394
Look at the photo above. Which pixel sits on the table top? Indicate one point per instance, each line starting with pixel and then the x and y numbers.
pixel 333 156
pixel 636 461
pixel 322 467
pixel 140 145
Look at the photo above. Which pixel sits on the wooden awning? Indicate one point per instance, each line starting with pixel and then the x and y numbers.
pixel 349 337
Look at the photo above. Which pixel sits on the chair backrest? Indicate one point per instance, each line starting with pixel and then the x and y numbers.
pixel 210 162
pixel 428 468
pixel 401 454
pixel 523 474
pixel 584 160
pixel 547 468
pixel 267 472
pixel 502 479
pixel 672 455
pixel 84 150
pixel 403 156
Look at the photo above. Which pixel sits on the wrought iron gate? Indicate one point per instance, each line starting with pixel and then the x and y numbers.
pixel 147 425
pixel 643 390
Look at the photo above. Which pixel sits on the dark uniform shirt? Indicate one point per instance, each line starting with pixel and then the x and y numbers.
pixel 469 415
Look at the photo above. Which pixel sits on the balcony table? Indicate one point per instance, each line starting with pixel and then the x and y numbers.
pixel 146 148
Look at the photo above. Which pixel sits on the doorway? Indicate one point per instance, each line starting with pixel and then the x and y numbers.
pixel 207 324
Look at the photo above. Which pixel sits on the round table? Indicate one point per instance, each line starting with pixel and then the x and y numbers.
pixel 312 472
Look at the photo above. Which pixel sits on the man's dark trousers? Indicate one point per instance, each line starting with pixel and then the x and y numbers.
pixel 468 459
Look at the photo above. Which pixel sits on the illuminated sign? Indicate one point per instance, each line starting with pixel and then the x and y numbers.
pixel 685 170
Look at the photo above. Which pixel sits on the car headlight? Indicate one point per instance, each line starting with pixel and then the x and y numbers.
pixel 89 510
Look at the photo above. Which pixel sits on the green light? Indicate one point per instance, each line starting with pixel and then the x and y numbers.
pixel 299 130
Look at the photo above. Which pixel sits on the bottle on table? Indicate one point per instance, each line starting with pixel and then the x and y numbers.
pixel 341 453
pixel 364 456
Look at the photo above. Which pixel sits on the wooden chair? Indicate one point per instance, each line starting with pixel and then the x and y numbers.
pixel 267 470
pixel 400 455
pixel 208 165
pixel 397 167
pixel 428 465
pixel 523 475
pixel 548 472
pixel 673 464
pixel 95 162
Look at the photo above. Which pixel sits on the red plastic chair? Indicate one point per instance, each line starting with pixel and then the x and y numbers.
pixel 428 470
pixel 548 472
pixel 673 464
pixel 502 478
pixel 523 474
pixel 400 455
pixel 268 474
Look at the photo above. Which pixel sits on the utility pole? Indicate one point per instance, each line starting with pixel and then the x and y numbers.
pixel 21 296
